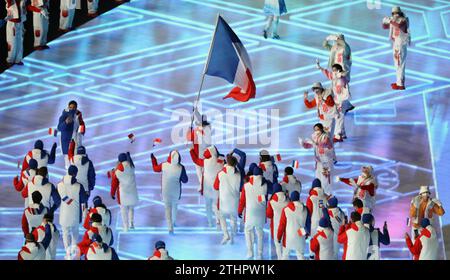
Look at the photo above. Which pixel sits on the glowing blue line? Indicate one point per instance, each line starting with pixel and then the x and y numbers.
pixel 53 78
pixel 443 23
pixel 26 84
pixel 28 75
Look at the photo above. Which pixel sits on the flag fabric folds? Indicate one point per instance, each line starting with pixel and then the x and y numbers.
pixel 229 60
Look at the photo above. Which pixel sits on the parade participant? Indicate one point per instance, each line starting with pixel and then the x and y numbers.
pixel 338 219
pixel 160 253
pixel 228 183
pixel 376 237
pixel 426 244
pixel 173 174
pixel 99 251
pixel 277 202
pixel 85 175
pixel 398 25
pixel 33 214
pixel 294 227
pixel 25 176
pixel 33 250
pixel 340 53
pixel 67 14
pixel 324 155
pixel 39 235
pixel 341 90
pixel 358 206
pixel 355 237
pixel 365 186
pixel 315 203
pixel 269 168
pixel 273 9
pixel 212 163
pixel 99 208
pixel 50 196
pixel 43 157
pixel 290 183
pixel 72 195
pixel 16 15
pixel 423 206
pixel 322 244
pixel 40 8
pixel 96 228
pixel 200 135
pixel 327 110
pixel 253 201
pixel 124 185
pixel 72 128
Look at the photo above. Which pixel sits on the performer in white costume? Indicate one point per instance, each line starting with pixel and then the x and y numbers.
pixel 365 186
pixel 398 25
pixel 39 235
pixel 16 15
pixel 67 14
pixel 276 204
pixel 40 10
pixel 173 174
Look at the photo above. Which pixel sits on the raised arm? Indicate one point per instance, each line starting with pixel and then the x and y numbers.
pixel 156 167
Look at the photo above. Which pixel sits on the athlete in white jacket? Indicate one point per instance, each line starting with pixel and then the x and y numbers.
pixel 276 204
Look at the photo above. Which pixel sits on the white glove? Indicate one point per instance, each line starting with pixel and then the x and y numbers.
pixel 332 37
pixel 318 64
pixel 300 141
pixel 386 20
pixel 337 179
pixel 436 201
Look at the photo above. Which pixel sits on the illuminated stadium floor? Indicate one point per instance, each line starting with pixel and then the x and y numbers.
pixel 130 68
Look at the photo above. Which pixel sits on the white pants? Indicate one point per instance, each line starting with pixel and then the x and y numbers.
pixel 224 225
pixel 249 239
pixel 92 6
pixel 40 26
pixel 211 208
pixel 70 237
pixel 127 213
pixel 400 50
pixel 325 180
pixel 272 19
pixel 299 254
pixel 339 129
pixel 66 18
pixel 14 38
pixel 171 209
pixel 278 249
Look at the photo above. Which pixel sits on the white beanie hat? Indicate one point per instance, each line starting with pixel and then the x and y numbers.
pixel 317 85
pixel 396 9
pixel 424 189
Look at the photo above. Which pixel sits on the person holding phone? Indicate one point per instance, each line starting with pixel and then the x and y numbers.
pixel 376 237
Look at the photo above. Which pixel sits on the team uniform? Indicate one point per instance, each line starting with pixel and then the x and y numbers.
pixel 290 183
pixel 71 133
pixel 96 228
pixel 173 174
pixel 43 157
pixel 67 14
pixel 16 16
pixel 356 238
pixel 35 250
pixel 425 246
pixel 50 196
pixel 276 204
pixel 39 235
pixel 273 9
pixel 40 8
pixel 322 243
pixel 365 188
pixel 32 217
pixel 25 176
pixel 315 204
pixel 86 173
pixel 337 219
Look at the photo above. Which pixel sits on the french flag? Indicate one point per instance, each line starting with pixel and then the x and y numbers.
pixel 229 60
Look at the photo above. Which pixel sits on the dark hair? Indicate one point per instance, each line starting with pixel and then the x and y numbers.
pixel 231 160
pixel 36 197
pixel 96 218
pixel 73 102
pixel 49 217
pixel 43 171
pixel 358 203
pixel 355 216
pixel 289 170
pixel 319 125
pixel 264 158
pixel 338 67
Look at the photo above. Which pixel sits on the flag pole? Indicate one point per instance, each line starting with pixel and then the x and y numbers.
pixel 204 71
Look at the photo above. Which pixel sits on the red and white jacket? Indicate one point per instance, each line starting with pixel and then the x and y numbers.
pixel 37 6
pixel 39 235
pixel 96 228
pixel 326 107
pixel 32 217
pixel 290 184
pixel 292 227
pixel 105 213
pixel 426 245
pixel 124 184
pixel 365 189
pixel 20 183
pixel 337 218
pixel 32 251
pixel 341 88
pixel 253 200
pixel 274 208
pixel 160 255
pixel 322 244
pixel 356 239
pixel 212 164
pixel 46 190
pixel 228 182
pixel 16 10
pixel 398 30
pixel 315 202
pixel 35 154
